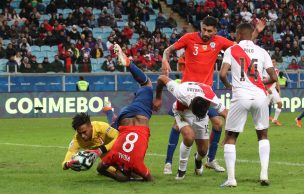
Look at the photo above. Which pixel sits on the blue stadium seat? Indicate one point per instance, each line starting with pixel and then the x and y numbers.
pixel 96 11
pixel 44 17
pixel 100 61
pixel 302 52
pixel 51 54
pixel 135 36
pixel 97 30
pixel 3 65
pixel 106 29
pixel 167 30
pixel 93 61
pixel 67 11
pixel 125 17
pixel 152 17
pixel 15 4
pixel 35 48
pixel 120 24
pixel 150 25
pixel 6 42
pixel 45 48
pixel 54 48
pixel 169 2
pixel 39 54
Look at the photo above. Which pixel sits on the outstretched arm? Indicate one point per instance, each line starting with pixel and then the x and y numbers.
pixel 259 27
pixel 161 82
pixel 165 62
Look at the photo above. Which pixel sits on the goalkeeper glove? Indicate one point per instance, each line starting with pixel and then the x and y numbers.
pixel 73 164
pixel 99 151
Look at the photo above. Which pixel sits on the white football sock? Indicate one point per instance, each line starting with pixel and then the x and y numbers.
pixel 277 113
pixel 264 152
pixel 230 157
pixel 184 153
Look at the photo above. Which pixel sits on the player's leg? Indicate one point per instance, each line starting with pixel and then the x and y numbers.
pixel 258 110
pixel 143 171
pixel 172 143
pixel 298 119
pixel 277 100
pixel 215 136
pixel 202 149
pixel 109 171
pixel 136 72
pixel 185 149
pixel 235 122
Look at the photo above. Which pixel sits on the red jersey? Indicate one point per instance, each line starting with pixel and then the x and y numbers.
pixel 200 56
pixel 129 150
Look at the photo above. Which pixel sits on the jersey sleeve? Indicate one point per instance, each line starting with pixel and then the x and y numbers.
pixel 268 62
pixel 227 57
pixel 182 42
pixel 73 149
pixel 172 87
pixel 111 134
pixel 226 43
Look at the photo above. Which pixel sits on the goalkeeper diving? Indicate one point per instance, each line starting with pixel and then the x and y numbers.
pixel 89 136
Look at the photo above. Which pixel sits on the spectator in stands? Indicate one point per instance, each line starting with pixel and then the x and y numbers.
pixel 161 21
pixel 127 31
pixel 296 49
pixel 74 34
pixel 2 51
pixel 223 31
pixel 18 58
pixel 138 26
pixel 101 44
pixel 51 7
pixel 33 62
pixel 293 65
pixel 277 55
pixel 287 50
pixel 246 15
pixel 268 37
pixel 85 49
pixel 109 64
pixel 301 62
pixel 171 22
pixel 272 15
pixel 97 52
pixel 10 51
pixel 26 66
pixel 12 65
pixel 84 65
pixel 55 66
pixel 173 63
pixel 69 62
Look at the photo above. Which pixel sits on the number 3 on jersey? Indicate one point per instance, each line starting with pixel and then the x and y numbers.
pixel 252 70
pixel 128 145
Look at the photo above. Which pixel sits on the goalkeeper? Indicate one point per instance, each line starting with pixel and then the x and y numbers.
pixel 89 135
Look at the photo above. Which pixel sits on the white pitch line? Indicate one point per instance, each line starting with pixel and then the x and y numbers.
pixel 156 154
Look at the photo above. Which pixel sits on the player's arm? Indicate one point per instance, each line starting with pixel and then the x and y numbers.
pixel 272 76
pixel 223 75
pixel 161 82
pixel 73 149
pixel 259 27
pixel 112 134
pixel 165 61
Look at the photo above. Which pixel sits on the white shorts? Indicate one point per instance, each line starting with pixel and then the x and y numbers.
pixel 199 126
pixel 239 109
pixel 274 97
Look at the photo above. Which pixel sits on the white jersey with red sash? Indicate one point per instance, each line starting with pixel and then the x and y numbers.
pixel 185 92
pixel 247 62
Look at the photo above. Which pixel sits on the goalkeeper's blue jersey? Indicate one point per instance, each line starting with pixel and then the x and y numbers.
pixel 141 105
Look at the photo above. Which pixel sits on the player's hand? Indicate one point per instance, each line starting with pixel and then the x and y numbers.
pixel 96 152
pixel 157 104
pixel 260 25
pixel 73 164
pixel 165 67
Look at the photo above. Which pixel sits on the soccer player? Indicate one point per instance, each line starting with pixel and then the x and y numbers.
pixel 298 120
pixel 247 62
pixel 201 51
pixel 128 152
pixel 274 94
pixel 190 110
pixel 89 135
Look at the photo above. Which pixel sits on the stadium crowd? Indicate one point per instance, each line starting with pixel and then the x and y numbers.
pixel 78 35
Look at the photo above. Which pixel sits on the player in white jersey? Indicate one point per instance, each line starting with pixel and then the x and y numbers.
pixel 190 111
pixel 247 62
pixel 274 95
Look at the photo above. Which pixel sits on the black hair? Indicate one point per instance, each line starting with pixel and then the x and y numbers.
pixel 210 21
pixel 199 107
pixel 281 74
pixel 245 26
pixel 80 119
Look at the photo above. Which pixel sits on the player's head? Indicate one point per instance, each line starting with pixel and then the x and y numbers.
pixel 244 32
pixel 281 74
pixel 199 106
pixel 208 28
pixel 82 124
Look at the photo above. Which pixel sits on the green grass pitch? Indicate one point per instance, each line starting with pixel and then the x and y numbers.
pixel 31 152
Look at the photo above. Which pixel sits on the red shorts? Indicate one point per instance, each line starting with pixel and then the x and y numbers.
pixel 129 150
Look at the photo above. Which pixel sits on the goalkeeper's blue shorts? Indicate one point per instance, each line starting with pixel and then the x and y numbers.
pixel 141 105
